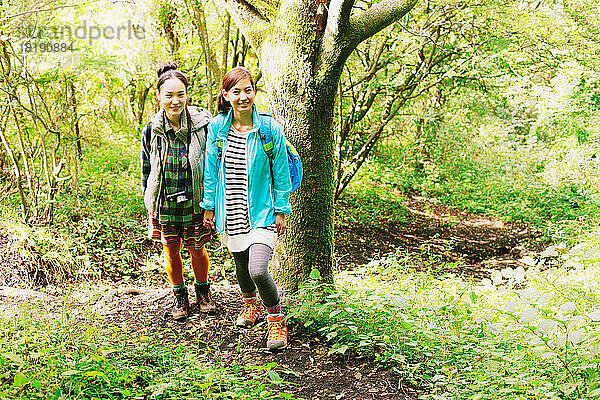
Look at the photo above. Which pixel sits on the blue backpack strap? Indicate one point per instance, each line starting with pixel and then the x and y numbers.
pixel 294 162
pixel 147 132
pixel 266 136
pixel 220 149
pixel 219 142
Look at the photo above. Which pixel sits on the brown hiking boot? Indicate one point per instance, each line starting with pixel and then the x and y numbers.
pixel 204 299
pixel 181 304
pixel 276 332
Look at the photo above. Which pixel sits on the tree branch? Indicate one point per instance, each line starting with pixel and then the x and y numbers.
pixel 338 14
pixel 390 110
pixel 375 66
pixel 378 17
pixel 34 11
pixel 251 20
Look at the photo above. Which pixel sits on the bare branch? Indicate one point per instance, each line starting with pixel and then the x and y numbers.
pixel 213 70
pixel 390 110
pixel 227 29
pixel 34 11
pixel 15 163
pixel 375 66
pixel 379 16
pixel 365 105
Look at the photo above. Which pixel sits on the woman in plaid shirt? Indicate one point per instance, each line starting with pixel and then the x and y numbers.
pixel 173 146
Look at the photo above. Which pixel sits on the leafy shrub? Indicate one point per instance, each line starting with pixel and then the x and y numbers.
pixel 523 333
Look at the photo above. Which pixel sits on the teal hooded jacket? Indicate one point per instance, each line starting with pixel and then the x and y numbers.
pixel 264 200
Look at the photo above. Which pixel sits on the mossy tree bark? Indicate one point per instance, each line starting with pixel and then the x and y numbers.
pixel 302 46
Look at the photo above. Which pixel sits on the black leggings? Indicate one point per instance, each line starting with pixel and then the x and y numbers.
pixel 252 271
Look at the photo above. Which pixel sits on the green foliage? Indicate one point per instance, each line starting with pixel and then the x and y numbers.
pixel 369 202
pixel 105 217
pixel 525 153
pixel 523 333
pixel 514 184
pixel 110 179
pixel 520 200
pixel 44 256
pixel 100 217
pixel 46 355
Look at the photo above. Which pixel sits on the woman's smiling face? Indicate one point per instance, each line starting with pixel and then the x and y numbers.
pixel 173 98
pixel 241 95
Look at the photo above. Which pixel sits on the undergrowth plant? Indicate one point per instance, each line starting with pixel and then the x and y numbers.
pixel 370 202
pixel 99 229
pixel 553 187
pixel 44 257
pixel 526 332
pixel 56 354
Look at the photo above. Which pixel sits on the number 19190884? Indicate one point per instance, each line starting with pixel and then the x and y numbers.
pixel 46 47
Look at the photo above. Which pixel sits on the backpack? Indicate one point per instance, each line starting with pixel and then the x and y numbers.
pixel 294 162
pixel 266 138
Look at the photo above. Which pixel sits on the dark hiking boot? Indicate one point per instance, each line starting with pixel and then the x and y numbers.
pixel 204 299
pixel 181 304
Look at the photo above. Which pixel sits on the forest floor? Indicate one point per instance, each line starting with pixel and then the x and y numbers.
pixel 446 239
pixel 443 238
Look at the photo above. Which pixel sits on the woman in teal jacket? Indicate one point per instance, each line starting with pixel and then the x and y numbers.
pixel 246 196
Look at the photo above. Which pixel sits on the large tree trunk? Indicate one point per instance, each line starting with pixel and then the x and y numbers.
pixel 302 87
pixel 302 47
pixel 308 123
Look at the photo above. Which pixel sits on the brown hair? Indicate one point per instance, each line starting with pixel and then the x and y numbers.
pixel 232 77
pixel 167 71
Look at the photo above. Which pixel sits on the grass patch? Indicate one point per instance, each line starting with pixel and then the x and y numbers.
pixel 108 187
pixel 554 187
pixel 98 229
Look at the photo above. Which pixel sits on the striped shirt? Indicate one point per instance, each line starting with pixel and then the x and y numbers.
pixel 236 182
pixel 237 226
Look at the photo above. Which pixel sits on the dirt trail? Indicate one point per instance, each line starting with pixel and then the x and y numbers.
pixel 441 237
pixel 306 369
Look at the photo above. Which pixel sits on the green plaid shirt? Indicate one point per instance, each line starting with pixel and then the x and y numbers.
pixel 177 178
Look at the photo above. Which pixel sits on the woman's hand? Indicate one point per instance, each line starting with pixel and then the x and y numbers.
pixel 280 223
pixel 209 219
